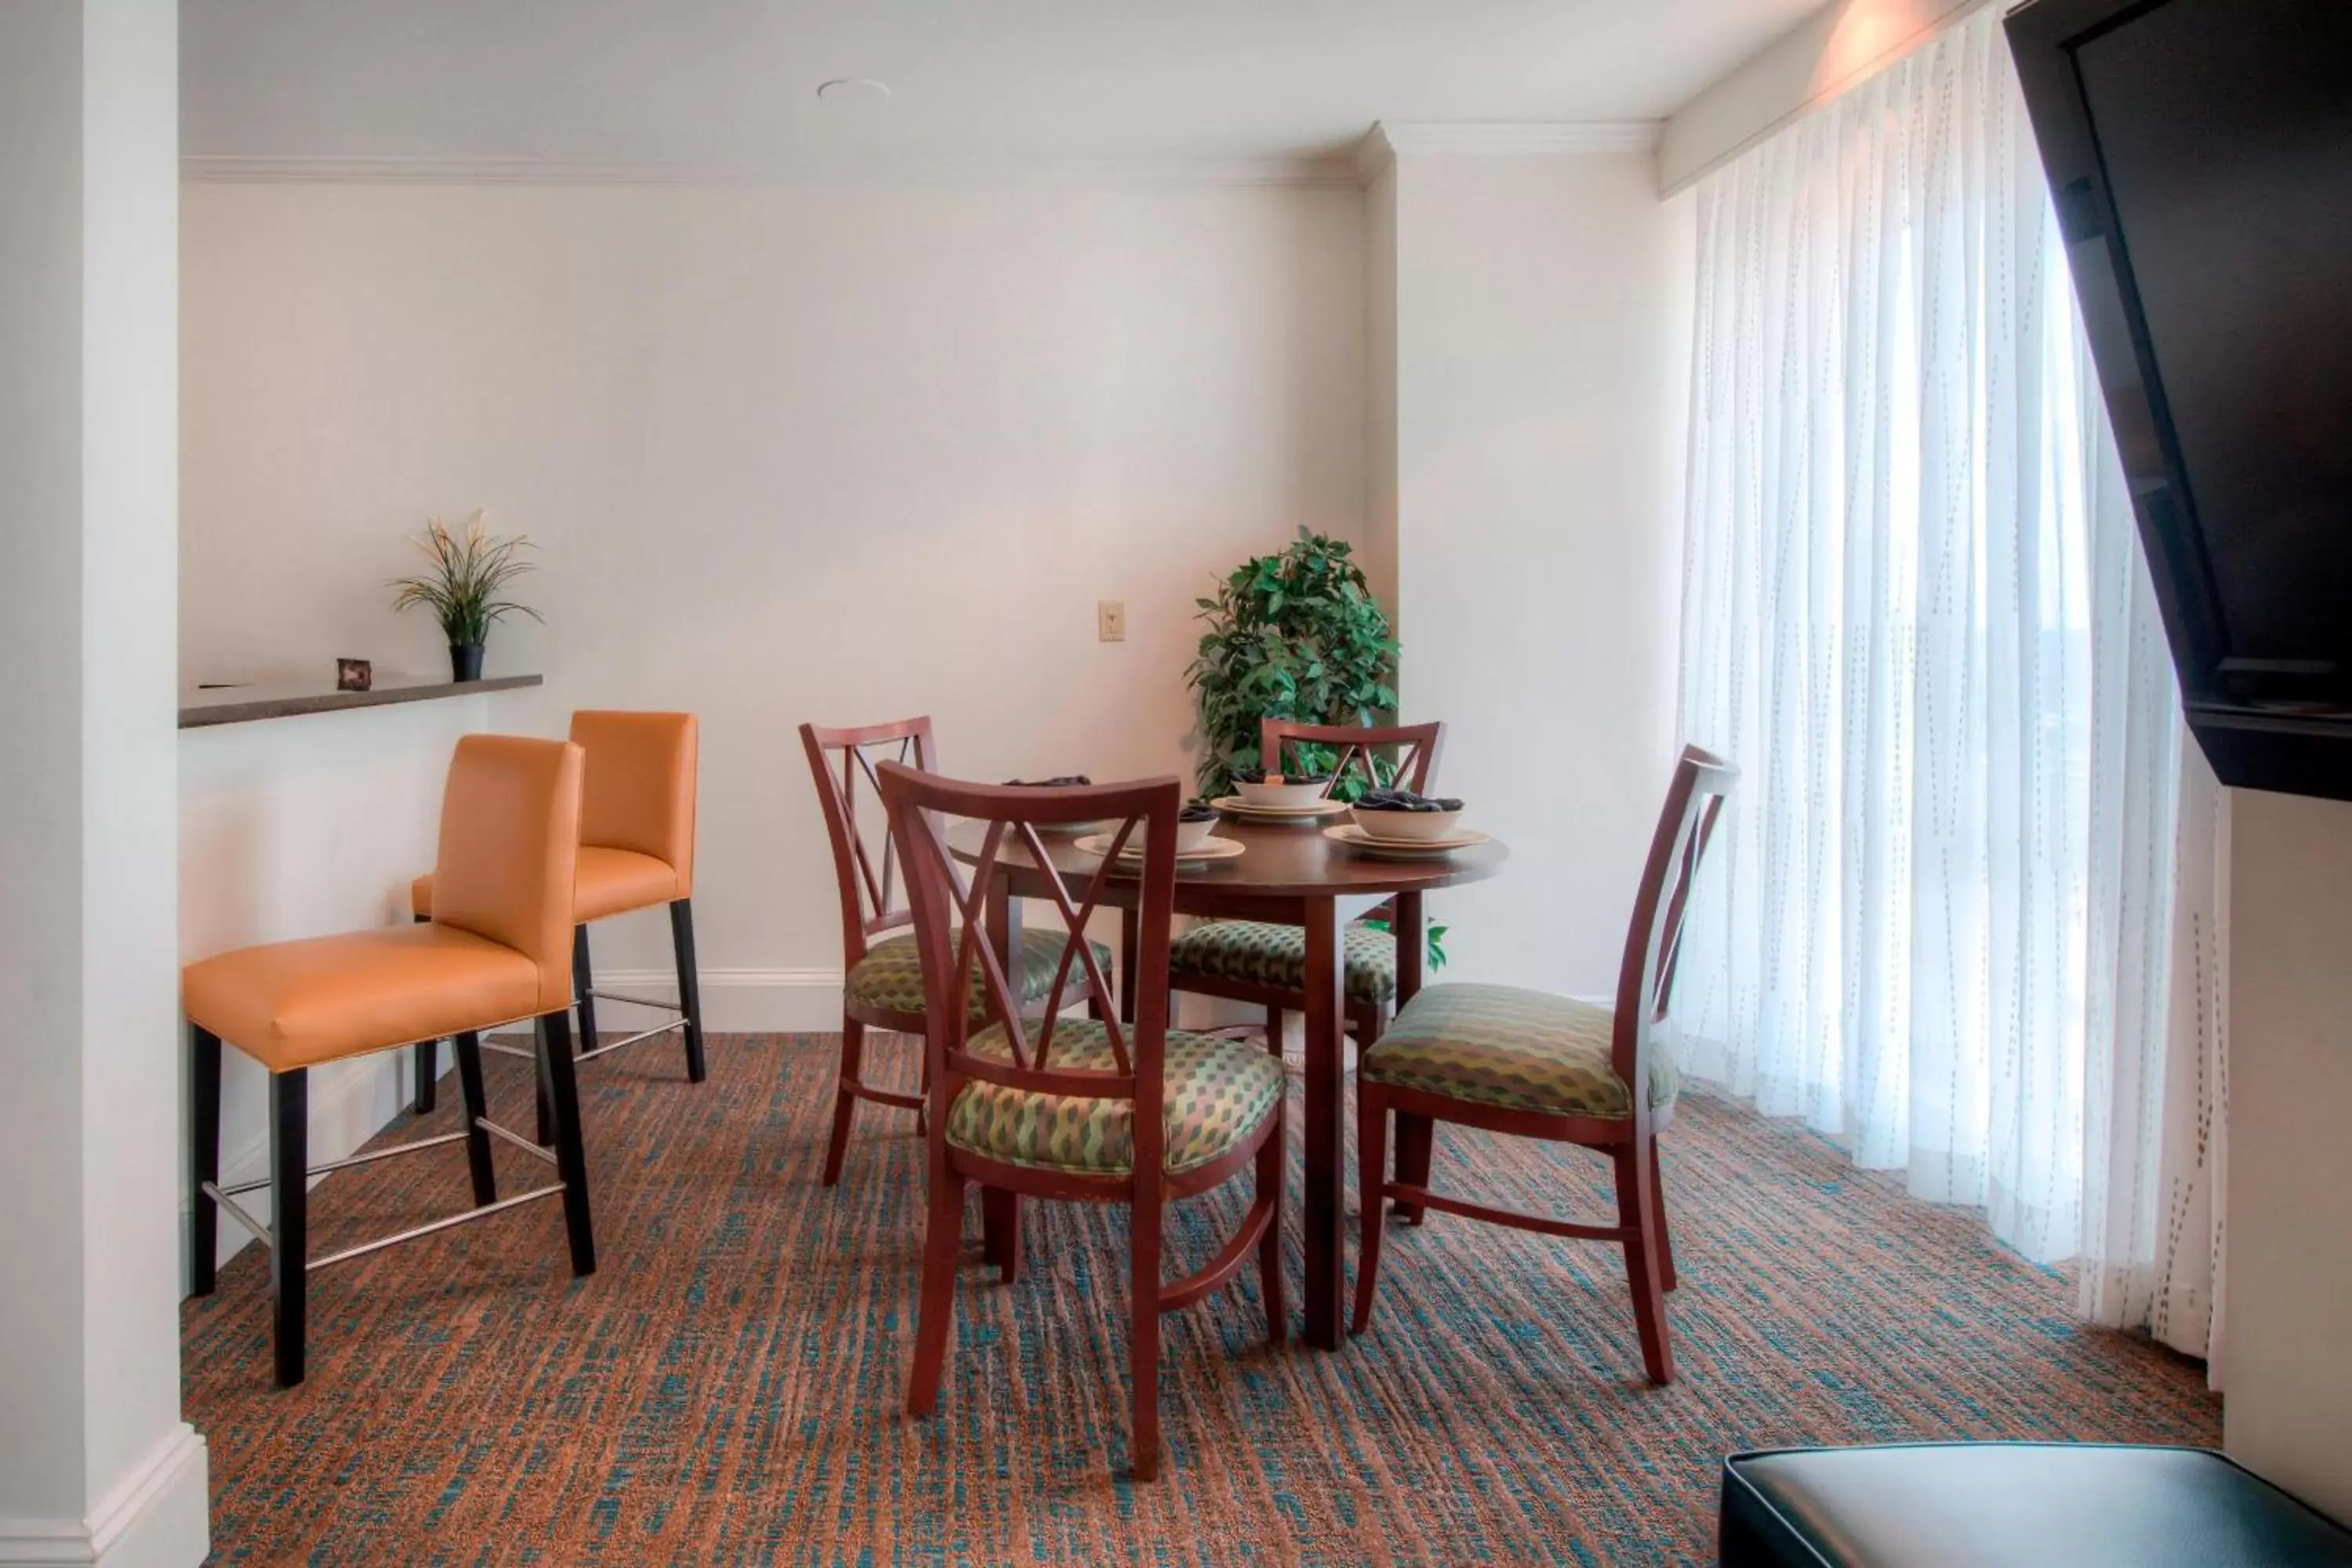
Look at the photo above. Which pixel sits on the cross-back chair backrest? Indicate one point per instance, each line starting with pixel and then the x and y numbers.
pixel 956 837
pixel 1415 747
pixel 1645 981
pixel 865 854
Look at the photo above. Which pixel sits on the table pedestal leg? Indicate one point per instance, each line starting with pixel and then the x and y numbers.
pixel 1412 946
pixel 1130 953
pixel 1326 1141
pixel 1000 1212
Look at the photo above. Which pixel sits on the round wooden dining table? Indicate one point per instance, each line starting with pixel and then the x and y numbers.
pixel 1285 875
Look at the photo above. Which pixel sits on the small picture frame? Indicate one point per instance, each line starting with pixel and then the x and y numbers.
pixel 354 675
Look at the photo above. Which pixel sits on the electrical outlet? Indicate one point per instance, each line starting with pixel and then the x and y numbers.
pixel 1110 620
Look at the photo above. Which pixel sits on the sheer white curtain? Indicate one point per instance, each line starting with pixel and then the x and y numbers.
pixel 1940 923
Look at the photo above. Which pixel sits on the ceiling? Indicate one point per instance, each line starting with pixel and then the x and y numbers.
pixel 731 84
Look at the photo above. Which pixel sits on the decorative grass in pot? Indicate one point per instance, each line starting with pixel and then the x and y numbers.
pixel 470 569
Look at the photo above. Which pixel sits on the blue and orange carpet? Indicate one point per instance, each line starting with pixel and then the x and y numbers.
pixel 728 1388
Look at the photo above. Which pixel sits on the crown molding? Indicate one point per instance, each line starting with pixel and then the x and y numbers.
pixel 1301 172
pixel 1390 140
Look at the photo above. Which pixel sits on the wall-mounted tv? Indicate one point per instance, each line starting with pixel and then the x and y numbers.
pixel 2199 153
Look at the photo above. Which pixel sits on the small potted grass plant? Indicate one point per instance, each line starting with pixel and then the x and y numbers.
pixel 470 569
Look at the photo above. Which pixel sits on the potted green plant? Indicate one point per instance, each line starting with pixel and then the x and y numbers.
pixel 1293 635
pixel 461 587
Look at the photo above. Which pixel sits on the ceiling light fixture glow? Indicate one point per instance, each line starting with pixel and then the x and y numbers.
pixel 854 90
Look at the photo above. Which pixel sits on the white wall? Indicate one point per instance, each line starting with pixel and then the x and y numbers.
pixel 1543 307
pixel 40 775
pixel 790 454
pixel 2289 1279
pixel 1830 51
pixel 95 1464
pixel 1381 355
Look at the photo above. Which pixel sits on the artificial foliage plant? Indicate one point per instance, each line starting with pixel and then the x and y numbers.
pixel 1292 636
pixel 1295 636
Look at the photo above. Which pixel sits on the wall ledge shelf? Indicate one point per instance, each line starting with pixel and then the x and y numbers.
pixel 203 708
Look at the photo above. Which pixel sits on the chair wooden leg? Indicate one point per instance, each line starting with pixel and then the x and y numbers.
pixel 923 1087
pixel 289 1207
pixel 1636 1193
pixel 1272 1180
pixel 690 986
pixel 425 1063
pixel 1143 1342
pixel 556 1074
pixel 1658 1214
pixel 845 1097
pixel 935 1314
pixel 1416 1140
pixel 1371 1183
pixel 1273 1033
pixel 468 1050
pixel 583 980
pixel 203 1158
pixel 1000 1220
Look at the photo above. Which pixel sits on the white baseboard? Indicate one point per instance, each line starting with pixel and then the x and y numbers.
pixel 154 1519
pixel 740 1001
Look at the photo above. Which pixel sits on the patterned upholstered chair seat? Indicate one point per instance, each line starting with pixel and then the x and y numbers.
pixel 1257 953
pixel 1218 1091
pixel 890 977
pixel 1522 1050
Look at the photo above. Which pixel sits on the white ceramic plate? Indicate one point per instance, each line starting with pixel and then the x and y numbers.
pixel 1363 843
pixel 1207 849
pixel 1066 829
pixel 1241 810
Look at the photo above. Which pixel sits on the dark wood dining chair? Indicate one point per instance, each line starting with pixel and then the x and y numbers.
pixel 1537 1066
pixel 882 983
pixel 1253 961
pixel 1089 1109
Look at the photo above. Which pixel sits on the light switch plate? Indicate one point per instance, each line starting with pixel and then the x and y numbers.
pixel 1110 620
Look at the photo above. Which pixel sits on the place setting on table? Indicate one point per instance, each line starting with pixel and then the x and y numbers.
pixel 1390 823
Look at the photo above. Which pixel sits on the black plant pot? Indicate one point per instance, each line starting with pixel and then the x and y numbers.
pixel 465 661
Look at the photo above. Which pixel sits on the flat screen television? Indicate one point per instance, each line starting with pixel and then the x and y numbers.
pixel 2200 153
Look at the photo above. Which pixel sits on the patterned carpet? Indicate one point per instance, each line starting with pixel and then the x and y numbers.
pixel 728 1388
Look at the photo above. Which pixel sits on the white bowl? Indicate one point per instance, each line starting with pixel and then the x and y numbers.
pixel 1273 792
pixel 1191 836
pixel 1405 826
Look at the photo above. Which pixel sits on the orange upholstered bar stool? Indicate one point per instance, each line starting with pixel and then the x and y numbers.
pixel 636 852
pixel 493 954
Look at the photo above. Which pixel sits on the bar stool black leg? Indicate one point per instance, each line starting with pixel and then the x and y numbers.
pixel 203 1158
pixel 584 979
pixel 556 1074
pixel 690 986
pixel 469 1048
pixel 427 1054
pixel 289 1203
